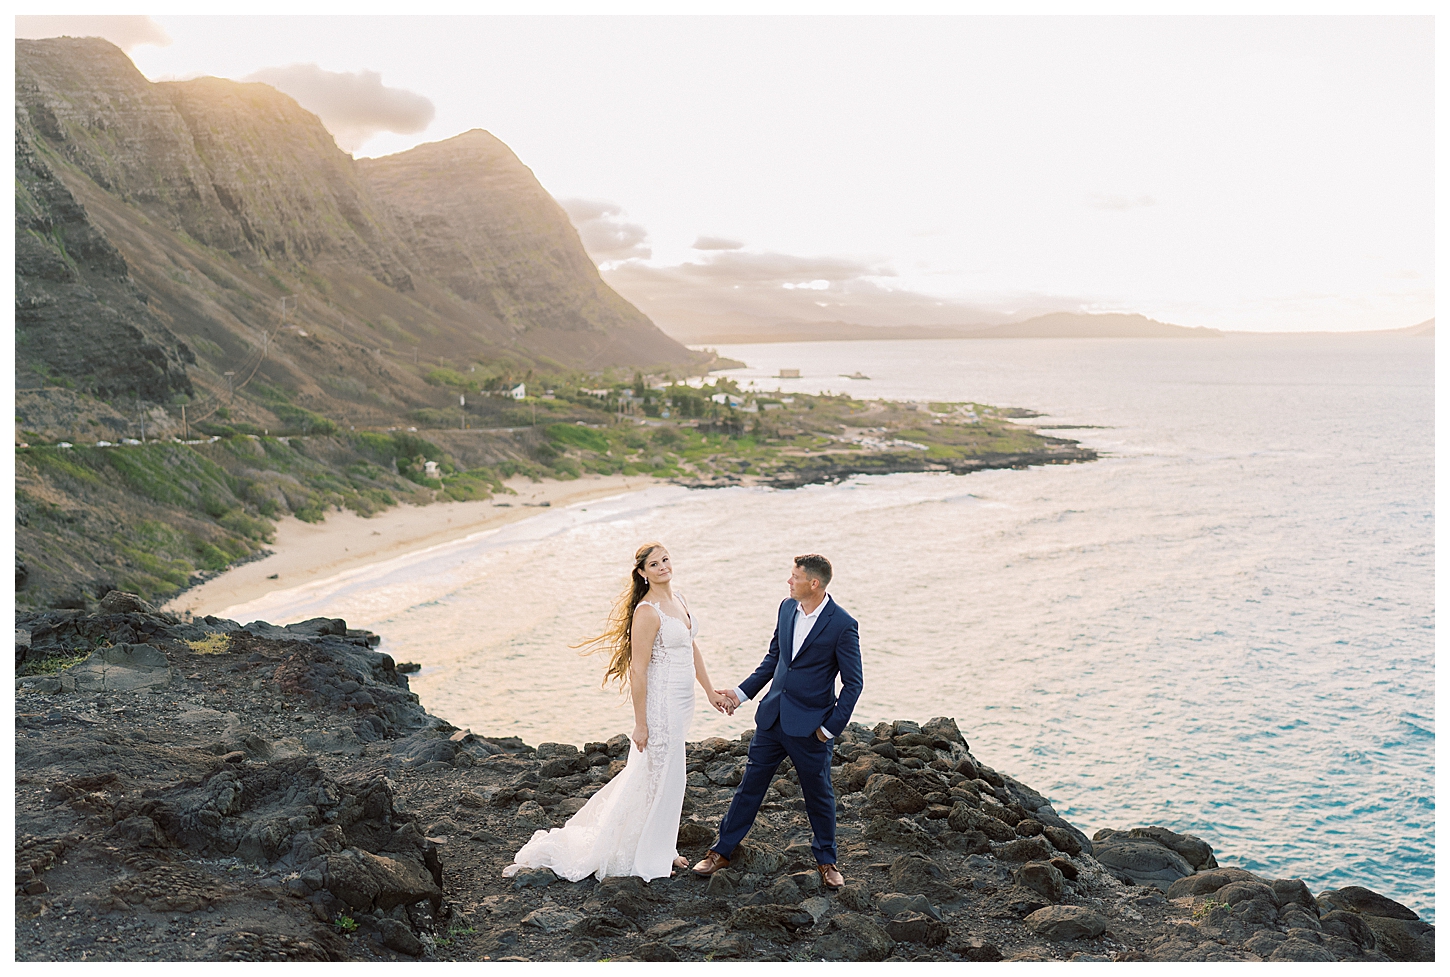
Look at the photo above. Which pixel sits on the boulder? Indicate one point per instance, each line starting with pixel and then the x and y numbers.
pixel 121 602
pixel 964 817
pixel 975 951
pixel 366 881
pixel 892 793
pixel 1296 950
pixel 965 842
pixel 777 923
pixel 1142 861
pixel 1025 850
pixel 893 903
pixel 1067 923
pixel 917 928
pixel 753 856
pixel 397 935
pixel 1050 820
pixel 1357 899
pixel 854 896
pixel 1351 926
pixel 900 832
pixel 551 919
pixel 535 878
pixel 1293 892
pixel 1405 940
pixel 946 730
pixel 1237 892
pixel 1029 827
pixel 656 953
pixel 531 814
pixel 852 937
pixel 712 939
pixel 1042 878
pixel 1069 872
pixel 1195 851
pixel 851 777
pixel 1207 883
pixel 1062 839
pixel 915 873
pixel 119 668
pixel 726 773
pixel 692 834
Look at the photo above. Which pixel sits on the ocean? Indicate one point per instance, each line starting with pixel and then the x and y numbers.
pixel 1224 626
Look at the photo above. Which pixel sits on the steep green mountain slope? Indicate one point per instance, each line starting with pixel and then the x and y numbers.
pixel 200 255
pixel 163 228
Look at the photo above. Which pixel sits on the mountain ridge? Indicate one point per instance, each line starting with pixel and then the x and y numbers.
pixel 166 224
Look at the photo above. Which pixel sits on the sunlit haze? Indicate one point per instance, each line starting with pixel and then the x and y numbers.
pixel 1240 173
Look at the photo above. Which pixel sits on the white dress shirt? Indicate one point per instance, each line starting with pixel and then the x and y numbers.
pixel 803 624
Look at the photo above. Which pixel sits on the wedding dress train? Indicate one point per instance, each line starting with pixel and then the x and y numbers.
pixel 629 826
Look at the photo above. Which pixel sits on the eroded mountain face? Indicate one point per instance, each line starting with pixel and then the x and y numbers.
pixel 159 226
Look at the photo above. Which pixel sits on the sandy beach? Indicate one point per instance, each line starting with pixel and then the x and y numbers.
pixel 305 551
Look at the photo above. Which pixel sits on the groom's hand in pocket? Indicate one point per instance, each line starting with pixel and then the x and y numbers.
pixel 821 735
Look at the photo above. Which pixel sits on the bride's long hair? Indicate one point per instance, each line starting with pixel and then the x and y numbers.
pixel 618 631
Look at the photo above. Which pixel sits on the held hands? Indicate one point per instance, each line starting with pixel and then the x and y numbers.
pixel 640 736
pixel 725 701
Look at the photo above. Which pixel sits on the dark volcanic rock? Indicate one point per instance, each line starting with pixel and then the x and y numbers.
pixel 1356 899
pixel 244 800
pixel 852 937
pixel 1143 861
pixel 915 873
pixel 1067 923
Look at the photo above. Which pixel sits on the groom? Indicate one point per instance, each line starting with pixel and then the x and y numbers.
pixel 814 641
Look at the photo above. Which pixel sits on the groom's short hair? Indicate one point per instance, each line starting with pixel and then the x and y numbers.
pixel 816 566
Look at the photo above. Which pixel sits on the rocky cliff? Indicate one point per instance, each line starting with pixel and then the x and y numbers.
pixel 168 234
pixel 207 791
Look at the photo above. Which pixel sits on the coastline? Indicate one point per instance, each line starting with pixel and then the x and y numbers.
pixel 305 552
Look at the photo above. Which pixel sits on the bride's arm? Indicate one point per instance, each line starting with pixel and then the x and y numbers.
pixel 642 640
pixel 719 701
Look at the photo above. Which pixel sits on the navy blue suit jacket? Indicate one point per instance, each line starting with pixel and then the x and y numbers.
pixel 803 692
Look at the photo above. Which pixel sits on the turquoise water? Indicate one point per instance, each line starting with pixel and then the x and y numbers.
pixel 1225 626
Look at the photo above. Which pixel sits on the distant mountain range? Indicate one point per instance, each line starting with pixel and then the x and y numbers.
pixel 161 228
pixel 1055 325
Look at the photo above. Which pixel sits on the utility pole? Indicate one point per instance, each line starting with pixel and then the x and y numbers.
pixel 141 419
pixel 185 431
pixel 229 375
pixel 462 407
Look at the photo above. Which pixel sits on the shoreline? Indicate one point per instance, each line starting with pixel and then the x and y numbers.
pixel 306 552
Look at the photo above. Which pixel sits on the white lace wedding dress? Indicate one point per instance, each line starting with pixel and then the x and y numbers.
pixel 630 825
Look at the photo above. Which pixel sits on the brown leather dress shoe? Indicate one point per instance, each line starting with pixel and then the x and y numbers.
pixel 710 864
pixel 830 877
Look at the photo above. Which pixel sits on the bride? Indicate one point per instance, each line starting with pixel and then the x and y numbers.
pixel 629 826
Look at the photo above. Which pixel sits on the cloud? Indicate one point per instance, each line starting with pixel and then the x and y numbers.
pixel 707 243
pixel 1110 201
pixel 124 31
pixel 354 106
pixel 605 235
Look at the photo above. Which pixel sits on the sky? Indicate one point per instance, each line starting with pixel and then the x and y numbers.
pixel 1242 173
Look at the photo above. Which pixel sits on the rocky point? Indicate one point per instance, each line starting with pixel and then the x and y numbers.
pixel 203 790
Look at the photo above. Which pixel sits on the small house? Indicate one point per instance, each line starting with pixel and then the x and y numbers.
pixel 517 393
pixel 788 374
